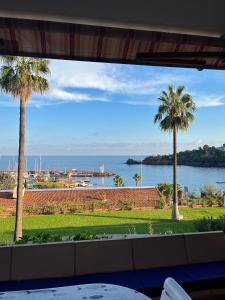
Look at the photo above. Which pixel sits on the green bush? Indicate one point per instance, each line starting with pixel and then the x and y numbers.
pixel 126 204
pixel 50 209
pixel 7 182
pixel 45 237
pixel 166 191
pixel 210 201
pixel 39 238
pixel 84 236
pixel 191 202
pixel 74 208
pixel 209 191
pixel 31 209
pixel 220 201
pixel 210 224
pixel 92 206
pixel 160 204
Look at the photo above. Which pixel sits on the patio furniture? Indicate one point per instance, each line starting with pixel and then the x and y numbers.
pixel 78 292
pixel 173 291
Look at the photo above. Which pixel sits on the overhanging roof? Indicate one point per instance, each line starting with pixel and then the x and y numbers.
pixel 200 17
pixel 168 33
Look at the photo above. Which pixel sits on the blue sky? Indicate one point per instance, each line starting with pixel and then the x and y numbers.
pixel 108 109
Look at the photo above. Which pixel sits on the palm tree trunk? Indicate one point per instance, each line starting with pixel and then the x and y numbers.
pixel 20 178
pixel 175 211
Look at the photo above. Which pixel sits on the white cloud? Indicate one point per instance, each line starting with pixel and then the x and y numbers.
pixel 60 94
pixel 110 78
pixel 144 83
pixel 73 81
pixel 209 100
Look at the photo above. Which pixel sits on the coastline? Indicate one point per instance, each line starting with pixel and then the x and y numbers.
pixel 198 165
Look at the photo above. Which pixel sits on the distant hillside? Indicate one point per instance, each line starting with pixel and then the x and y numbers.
pixel 202 157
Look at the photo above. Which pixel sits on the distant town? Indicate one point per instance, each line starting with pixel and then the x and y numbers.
pixel 42 179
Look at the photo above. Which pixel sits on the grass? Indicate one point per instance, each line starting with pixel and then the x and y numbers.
pixel 108 222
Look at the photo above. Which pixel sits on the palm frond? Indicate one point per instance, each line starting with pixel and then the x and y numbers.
pixel 175 110
pixel 20 76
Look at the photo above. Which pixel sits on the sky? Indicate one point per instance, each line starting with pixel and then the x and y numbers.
pixel 108 109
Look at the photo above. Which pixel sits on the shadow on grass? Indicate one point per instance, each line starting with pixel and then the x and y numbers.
pixel 112 216
pixel 157 227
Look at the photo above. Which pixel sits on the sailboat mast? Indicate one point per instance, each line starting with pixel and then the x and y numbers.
pixel 40 167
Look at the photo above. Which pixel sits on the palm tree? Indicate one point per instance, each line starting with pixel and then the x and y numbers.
pixel 166 190
pixel 20 77
pixel 118 181
pixel 137 178
pixel 175 112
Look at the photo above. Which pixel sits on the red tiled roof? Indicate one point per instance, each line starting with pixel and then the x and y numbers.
pixel 43 197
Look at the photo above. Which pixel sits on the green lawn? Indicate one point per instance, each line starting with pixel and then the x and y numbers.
pixel 109 222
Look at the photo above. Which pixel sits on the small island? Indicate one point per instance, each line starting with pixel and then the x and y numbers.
pixel 205 156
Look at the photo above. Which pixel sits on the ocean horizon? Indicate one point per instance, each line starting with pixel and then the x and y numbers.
pixel 192 177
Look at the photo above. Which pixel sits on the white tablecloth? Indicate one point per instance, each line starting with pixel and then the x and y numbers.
pixel 77 292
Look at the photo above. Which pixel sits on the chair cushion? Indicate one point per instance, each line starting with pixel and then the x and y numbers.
pixel 149 281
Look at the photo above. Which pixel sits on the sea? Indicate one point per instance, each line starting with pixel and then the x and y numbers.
pixel 194 178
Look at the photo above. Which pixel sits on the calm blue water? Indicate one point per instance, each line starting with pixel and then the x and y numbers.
pixel 192 177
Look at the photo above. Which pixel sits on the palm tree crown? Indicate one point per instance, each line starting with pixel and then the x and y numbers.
pixel 175 110
pixel 118 181
pixel 137 178
pixel 20 76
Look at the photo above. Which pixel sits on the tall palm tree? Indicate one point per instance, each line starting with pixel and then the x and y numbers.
pixel 20 77
pixel 137 178
pixel 175 112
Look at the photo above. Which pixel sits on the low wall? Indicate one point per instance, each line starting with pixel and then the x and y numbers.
pixel 86 199
pixel 39 261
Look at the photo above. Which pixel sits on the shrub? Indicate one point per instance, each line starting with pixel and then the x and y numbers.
pixel 50 209
pixel 183 201
pixel 209 191
pixel 160 204
pixel 38 238
pixel 84 236
pixel 93 206
pixel 166 191
pixel 126 204
pixel 31 209
pixel 210 201
pixel 220 201
pixel 190 202
pixel 74 208
pixel 210 224
pixel 7 182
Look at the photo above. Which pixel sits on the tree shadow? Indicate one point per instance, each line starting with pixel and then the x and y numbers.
pixel 122 217
pixel 156 227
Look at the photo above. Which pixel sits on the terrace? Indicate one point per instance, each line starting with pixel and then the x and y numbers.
pixel 183 34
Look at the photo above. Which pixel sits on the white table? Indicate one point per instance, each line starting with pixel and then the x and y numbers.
pixel 77 292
